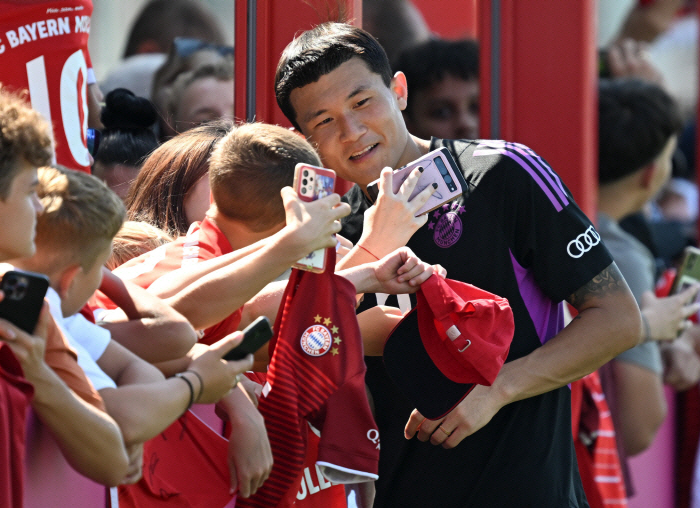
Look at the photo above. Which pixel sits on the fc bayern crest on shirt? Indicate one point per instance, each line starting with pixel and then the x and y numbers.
pixel 316 340
pixel 446 224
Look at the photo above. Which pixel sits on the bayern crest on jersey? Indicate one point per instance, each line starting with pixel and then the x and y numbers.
pixel 316 340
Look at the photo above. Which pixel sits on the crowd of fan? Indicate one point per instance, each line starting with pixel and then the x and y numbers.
pixel 181 230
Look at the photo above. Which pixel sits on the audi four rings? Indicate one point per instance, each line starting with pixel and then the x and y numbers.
pixel 583 243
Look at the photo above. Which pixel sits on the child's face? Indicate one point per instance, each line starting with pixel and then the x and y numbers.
pixel 18 215
pixel 85 283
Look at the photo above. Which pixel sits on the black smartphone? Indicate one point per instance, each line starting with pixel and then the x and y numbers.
pixel 255 335
pixel 24 297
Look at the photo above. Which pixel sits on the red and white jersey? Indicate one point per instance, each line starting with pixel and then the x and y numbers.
pixel 316 375
pixel 44 49
pixel 315 491
pixel 203 241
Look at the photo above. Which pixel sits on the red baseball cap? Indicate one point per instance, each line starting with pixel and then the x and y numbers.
pixel 456 337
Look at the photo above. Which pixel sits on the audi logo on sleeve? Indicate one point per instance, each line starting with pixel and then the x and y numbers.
pixel 583 243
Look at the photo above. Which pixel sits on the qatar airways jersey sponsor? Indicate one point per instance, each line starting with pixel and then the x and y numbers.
pixel 43 50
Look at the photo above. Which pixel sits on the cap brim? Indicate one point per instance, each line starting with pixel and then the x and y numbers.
pixel 411 368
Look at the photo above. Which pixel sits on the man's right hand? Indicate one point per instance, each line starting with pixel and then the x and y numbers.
pixel 218 376
pixel 391 222
pixel 668 316
pixel 312 224
pixel 681 362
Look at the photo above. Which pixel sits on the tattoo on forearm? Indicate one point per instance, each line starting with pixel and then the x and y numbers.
pixel 610 280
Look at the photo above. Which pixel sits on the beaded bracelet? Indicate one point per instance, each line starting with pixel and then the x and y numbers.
pixel 201 384
pixel 181 375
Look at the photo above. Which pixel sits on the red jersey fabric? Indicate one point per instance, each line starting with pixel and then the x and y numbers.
pixel 15 396
pixel 43 49
pixel 176 472
pixel 596 444
pixel 314 490
pixel 317 374
pixel 203 241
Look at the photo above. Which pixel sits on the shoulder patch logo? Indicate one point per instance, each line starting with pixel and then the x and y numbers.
pixel 316 340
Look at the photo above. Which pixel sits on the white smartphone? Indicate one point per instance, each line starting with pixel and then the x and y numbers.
pixel 311 183
pixel 438 168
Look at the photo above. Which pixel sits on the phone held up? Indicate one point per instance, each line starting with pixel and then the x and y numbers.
pixel 255 335
pixel 24 298
pixel 438 167
pixel 689 272
pixel 312 183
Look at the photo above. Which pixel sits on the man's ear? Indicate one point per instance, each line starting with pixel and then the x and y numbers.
pixel 647 176
pixel 66 279
pixel 399 86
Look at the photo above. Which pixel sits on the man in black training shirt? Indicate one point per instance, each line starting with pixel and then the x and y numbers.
pixel 515 232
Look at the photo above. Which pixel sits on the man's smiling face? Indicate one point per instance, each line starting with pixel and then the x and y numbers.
pixel 354 121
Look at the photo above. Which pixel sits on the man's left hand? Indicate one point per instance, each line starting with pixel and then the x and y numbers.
pixel 475 411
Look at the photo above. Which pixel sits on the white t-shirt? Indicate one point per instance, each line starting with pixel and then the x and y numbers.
pixel 89 342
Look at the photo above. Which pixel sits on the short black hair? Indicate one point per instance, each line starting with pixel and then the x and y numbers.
pixel 429 62
pixel 321 50
pixel 127 137
pixel 635 121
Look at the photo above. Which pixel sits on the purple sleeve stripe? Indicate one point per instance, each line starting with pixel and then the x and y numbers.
pixel 533 173
pixel 544 169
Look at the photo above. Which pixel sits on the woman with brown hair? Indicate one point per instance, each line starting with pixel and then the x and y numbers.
pixel 172 188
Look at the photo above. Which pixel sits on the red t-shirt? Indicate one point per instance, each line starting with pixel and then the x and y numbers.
pixel 203 241
pixel 15 395
pixel 43 49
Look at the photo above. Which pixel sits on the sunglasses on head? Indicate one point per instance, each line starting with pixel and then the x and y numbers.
pixel 186 46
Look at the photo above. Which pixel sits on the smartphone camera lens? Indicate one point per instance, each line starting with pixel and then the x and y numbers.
pixel 306 173
pixel 305 182
pixel 303 190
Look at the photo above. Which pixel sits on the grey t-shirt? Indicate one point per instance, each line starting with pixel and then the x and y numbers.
pixel 637 265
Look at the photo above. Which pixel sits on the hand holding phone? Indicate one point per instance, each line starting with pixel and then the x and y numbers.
pixel 689 272
pixel 312 183
pixel 255 335
pixel 439 168
pixel 24 298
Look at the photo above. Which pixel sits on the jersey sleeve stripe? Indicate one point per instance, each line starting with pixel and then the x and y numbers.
pixel 545 169
pixel 535 172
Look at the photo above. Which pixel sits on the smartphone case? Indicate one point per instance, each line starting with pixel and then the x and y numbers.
pixel 24 298
pixel 438 167
pixel 312 183
pixel 689 272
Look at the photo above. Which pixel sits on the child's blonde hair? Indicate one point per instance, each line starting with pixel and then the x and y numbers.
pixel 133 239
pixel 81 216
